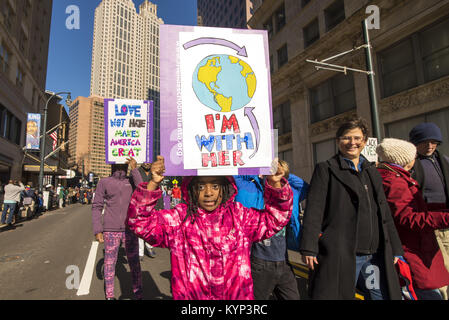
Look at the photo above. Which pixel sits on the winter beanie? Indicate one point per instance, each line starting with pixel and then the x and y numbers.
pixel 396 151
pixel 425 131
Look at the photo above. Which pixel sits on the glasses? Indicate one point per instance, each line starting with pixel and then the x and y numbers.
pixel 349 139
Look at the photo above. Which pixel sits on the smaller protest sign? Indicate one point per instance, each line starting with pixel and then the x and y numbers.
pixel 128 130
pixel 369 152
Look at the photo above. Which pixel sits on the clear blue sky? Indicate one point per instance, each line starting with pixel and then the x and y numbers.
pixel 70 52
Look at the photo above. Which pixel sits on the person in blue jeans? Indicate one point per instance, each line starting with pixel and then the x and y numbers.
pixel 271 272
pixel 11 198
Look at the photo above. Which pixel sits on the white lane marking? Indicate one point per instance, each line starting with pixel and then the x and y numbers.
pixel 88 270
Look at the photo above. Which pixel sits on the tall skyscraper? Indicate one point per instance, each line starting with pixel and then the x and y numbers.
pixel 219 13
pixel 125 54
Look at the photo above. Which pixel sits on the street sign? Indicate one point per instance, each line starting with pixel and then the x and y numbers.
pixel 70 174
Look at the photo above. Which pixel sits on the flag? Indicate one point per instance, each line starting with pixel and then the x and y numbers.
pixel 54 137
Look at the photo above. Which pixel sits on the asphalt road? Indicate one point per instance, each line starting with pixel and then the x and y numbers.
pixel 42 259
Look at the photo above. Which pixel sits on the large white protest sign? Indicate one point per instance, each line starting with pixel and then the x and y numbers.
pixel 216 98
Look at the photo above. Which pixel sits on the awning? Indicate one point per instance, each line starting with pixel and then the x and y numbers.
pixel 48 170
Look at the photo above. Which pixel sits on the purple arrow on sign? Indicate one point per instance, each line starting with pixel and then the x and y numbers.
pixel 252 119
pixel 241 51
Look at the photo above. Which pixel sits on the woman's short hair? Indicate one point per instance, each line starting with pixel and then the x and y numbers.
pixel 355 123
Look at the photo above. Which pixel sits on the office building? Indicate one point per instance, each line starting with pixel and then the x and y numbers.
pixel 24 42
pixel 227 14
pixel 86 137
pixel 411 65
pixel 125 54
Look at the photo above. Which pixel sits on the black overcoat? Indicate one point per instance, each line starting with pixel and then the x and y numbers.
pixel 330 227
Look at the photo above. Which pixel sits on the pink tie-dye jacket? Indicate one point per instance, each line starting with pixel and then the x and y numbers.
pixel 210 257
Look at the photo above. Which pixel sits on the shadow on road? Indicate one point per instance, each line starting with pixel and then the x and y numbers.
pixel 150 289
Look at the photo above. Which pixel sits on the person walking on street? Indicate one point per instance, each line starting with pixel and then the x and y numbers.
pixel 61 196
pixel 210 235
pixel 114 194
pixel 11 199
pixel 140 175
pixel 271 272
pixel 176 195
pixel 414 222
pixel 431 171
pixel 348 231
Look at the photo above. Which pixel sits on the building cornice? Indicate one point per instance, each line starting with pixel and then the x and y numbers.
pixel 331 124
pixel 425 93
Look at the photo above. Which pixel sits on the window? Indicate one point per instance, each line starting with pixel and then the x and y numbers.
pixel 10 126
pixel 332 97
pixel 282 118
pixel 415 60
pixel 282 56
pixel 398 68
pixel 19 78
pixel 268 25
pixel 311 33
pixel 324 150
pixel 4 59
pixel 279 17
pixel 9 16
pixel 334 14
pixel 435 51
pixel 287 156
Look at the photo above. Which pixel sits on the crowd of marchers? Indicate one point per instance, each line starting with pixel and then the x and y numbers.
pixel 23 202
pixel 378 229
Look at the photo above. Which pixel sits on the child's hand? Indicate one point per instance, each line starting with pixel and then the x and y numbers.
pixel 131 162
pixel 278 173
pixel 99 237
pixel 157 173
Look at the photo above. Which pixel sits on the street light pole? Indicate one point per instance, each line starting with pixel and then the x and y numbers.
pixel 371 84
pixel 44 135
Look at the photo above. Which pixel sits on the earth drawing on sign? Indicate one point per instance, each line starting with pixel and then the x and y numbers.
pixel 224 83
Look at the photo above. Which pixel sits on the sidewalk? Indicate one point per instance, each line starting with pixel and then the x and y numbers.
pixel 4 227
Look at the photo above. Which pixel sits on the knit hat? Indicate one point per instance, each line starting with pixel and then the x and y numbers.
pixel 425 131
pixel 396 151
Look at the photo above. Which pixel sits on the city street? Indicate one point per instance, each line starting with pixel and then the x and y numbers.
pixel 35 256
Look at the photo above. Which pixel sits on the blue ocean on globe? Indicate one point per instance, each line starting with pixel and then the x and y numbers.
pixel 229 82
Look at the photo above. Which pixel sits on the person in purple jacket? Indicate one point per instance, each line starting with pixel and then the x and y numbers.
pixel 114 194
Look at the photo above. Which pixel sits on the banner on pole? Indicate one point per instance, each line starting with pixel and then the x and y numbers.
pixel 128 130
pixel 216 113
pixel 33 131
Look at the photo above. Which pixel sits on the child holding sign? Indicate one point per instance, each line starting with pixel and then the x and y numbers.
pixel 210 235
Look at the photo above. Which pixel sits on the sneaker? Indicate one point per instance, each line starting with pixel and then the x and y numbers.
pixel 111 299
pixel 151 253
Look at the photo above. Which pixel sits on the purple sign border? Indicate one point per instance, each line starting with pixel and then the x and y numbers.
pixel 169 35
pixel 150 129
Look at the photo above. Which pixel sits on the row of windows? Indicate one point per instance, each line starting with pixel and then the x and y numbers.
pixel 334 14
pixel 419 58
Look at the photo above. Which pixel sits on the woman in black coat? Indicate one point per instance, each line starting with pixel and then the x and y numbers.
pixel 349 238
